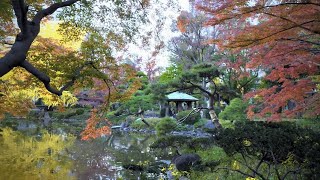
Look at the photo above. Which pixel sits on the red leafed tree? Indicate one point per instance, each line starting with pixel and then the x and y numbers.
pixel 282 37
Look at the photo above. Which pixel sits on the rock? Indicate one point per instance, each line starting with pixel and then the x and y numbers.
pixel 46 119
pixel 124 125
pixel 185 161
pixel 133 167
pixel 209 125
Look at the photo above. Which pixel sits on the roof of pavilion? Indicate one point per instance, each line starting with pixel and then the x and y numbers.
pixel 178 96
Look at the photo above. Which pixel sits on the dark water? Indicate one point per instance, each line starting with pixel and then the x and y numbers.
pixel 41 155
pixel 104 158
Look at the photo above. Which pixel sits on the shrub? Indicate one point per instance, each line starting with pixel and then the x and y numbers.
pixel 166 125
pixel 114 119
pixel 79 111
pixel 138 124
pixel 281 147
pixel 192 118
pixel 200 123
pixel 235 111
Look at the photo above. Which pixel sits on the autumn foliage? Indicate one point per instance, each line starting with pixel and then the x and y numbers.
pixel 92 130
pixel 282 38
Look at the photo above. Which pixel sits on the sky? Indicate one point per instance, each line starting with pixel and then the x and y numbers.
pixel 163 58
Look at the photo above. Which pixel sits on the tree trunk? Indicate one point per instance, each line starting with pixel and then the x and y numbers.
pixel 213 115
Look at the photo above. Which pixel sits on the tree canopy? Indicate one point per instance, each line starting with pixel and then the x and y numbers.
pixel 33 66
pixel 282 38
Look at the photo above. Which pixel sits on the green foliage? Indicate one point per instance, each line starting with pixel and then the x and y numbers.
pixel 284 146
pixel 313 124
pixel 235 111
pixel 206 70
pixel 226 123
pixel 170 73
pixel 214 153
pixel 158 92
pixel 115 119
pixel 192 118
pixel 166 125
pixel 68 113
pixel 138 124
pixel 139 100
pixel 200 123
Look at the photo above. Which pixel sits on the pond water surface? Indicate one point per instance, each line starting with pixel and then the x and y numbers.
pixel 104 158
pixel 46 156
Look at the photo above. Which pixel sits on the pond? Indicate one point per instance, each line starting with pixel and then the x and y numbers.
pixel 105 158
pixel 47 156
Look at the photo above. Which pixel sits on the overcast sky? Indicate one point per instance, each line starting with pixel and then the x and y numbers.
pixel 163 58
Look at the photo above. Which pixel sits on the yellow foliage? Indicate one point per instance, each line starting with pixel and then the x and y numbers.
pixel 246 142
pixel 235 165
pixel 50 30
pixel 33 158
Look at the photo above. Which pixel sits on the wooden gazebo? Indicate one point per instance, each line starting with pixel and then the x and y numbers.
pixel 179 98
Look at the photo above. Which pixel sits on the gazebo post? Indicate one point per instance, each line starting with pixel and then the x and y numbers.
pixel 189 104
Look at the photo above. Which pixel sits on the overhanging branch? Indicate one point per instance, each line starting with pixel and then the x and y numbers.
pixel 46 79
pixel 51 9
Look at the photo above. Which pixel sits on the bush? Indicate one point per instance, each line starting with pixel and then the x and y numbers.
pixel 79 111
pixel 138 124
pixel 282 147
pixel 200 123
pixel 166 125
pixel 115 119
pixel 235 111
pixel 193 118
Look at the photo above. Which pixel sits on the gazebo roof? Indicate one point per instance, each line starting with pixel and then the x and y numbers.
pixel 178 96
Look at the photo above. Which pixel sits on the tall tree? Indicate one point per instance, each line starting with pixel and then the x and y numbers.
pixel 190 48
pixel 283 38
pixel 194 78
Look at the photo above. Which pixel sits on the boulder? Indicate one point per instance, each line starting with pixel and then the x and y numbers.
pixel 185 161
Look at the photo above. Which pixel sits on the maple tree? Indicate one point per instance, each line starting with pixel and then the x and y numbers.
pixel 42 67
pixel 282 38
pixel 235 79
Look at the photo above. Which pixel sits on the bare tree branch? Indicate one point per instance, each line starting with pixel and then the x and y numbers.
pixel 51 9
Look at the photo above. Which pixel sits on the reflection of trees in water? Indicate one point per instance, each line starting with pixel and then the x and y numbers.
pixel 104 157
pixel 28 157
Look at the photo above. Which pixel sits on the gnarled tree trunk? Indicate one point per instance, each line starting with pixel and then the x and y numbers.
pixel 29 30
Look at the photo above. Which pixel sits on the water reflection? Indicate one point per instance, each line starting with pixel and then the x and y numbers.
pixel 42 155
pixel 104 158
pixel 34 157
